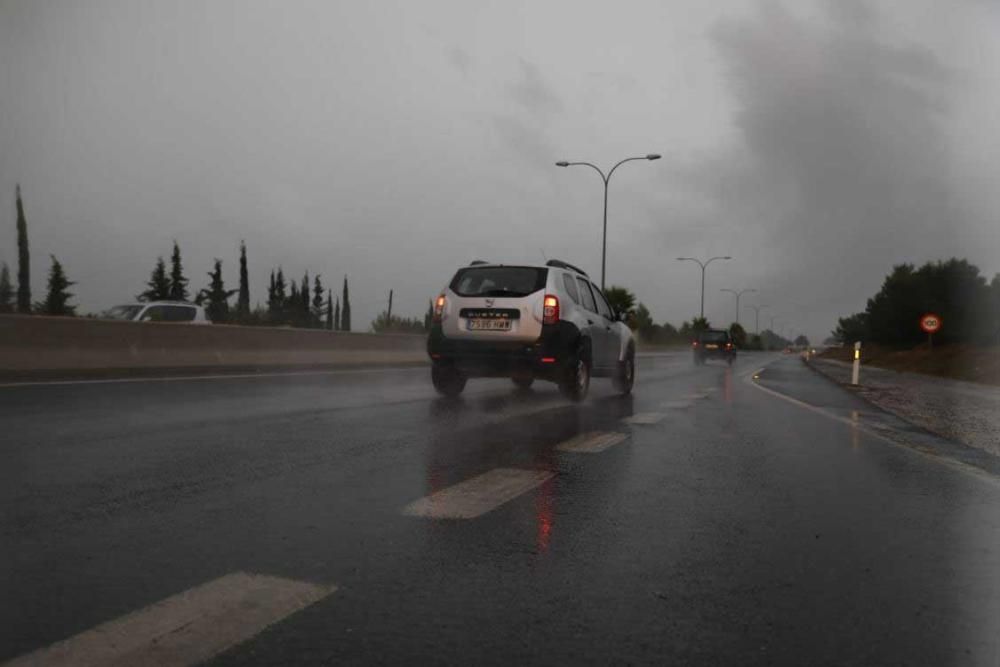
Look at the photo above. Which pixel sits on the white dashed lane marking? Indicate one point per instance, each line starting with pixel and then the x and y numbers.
pixel 187 628
pixel 676 405
pixel 645 418
pixel 479 495
pixel 592 442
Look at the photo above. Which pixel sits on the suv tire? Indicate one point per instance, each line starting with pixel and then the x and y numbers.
pixel 625 377
pixel 523 381
pixel 448 381
pixel 576 378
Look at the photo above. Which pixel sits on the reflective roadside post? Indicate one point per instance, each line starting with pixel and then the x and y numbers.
pixel 856 370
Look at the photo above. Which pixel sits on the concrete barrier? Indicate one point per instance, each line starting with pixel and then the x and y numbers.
pixel 43 347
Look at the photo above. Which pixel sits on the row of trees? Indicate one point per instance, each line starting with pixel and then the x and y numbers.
pixel 955 290
pixel 57 297
pixel 640 320
pixel 304 304
pixel 289 303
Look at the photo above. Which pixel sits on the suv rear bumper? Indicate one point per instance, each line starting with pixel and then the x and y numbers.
pixel 544 358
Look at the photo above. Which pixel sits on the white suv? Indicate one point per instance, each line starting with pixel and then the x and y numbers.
pixel 525 322
pixel 159 311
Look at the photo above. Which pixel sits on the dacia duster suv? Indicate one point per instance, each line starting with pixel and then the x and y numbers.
pixel 526 323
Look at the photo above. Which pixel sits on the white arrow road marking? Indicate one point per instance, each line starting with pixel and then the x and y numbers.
pixel 187 628
pixel 592 442
pixel 479 495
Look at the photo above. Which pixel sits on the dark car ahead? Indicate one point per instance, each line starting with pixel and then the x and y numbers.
pixel 713 344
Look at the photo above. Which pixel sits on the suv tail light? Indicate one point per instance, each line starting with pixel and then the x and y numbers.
pixel 550 309
pixel 439 308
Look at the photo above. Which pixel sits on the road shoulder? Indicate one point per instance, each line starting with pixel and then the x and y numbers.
pixel 795 381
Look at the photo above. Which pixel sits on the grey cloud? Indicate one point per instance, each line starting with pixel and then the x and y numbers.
pixel 533 93
pixel 461 59
pixel 846 132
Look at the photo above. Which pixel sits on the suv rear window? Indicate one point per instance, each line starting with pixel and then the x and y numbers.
pixel 715 336
pixel 503 281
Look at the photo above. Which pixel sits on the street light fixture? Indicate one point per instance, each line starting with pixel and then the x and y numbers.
pixel 606 179
pixel 756 321
pixel 702 265
pixel 738 295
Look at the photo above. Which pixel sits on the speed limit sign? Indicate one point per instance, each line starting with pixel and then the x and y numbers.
pixel 930 323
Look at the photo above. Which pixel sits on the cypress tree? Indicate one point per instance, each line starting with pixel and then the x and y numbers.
pixel 178 283
pixel 336 316
pixel 6 291
pixel 23 259
pixel 272 302
pixel 57 299
pixel 329 309
pixel 158 287
pixel 345 313
pixel 243 301
pixel 317 302
pixel 292 303
pixel 305 316
pixel 216 295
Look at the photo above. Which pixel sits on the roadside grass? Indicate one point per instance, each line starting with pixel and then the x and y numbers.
pixel 971 363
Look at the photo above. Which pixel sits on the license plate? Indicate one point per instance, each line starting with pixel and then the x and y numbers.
pixel 711 346
pixel 489 325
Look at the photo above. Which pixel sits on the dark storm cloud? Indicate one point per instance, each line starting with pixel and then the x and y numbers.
pixel 846 150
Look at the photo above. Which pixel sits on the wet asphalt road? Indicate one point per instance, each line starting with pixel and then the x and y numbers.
pixel 741 528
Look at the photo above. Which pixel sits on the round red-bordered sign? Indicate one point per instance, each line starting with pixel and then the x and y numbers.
pixel 930 323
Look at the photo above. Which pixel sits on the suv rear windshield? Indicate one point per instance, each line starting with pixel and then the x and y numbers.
pixel 715 336
pixel 508 281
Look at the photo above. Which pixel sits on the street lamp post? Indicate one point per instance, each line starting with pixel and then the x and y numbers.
pixel 756 319
pixel 606 179
pixel 703 265
pixel 738 295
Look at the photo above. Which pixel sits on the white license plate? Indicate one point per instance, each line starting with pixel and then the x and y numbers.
pixel 480 324
pixel 711 346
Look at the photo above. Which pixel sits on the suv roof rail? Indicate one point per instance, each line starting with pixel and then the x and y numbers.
pixel 565 265
pixel 477 262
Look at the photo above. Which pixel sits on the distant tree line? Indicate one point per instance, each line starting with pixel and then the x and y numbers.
pixel 640 320
pixel 303 304
pixel 954 290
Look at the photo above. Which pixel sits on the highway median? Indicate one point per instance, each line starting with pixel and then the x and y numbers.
pixel 57 348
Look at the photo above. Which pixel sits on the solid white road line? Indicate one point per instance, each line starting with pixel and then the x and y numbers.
pixel 479 495
pixel 645 418
pixel 187 628
pixel 592 442
pixel 751 379
pixel 223 376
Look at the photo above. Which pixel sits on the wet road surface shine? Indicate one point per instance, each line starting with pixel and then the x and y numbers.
pixel 742 529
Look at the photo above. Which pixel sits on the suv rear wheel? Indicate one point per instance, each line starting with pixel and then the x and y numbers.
pixel 625 377
pixel 448 381
pixel 576 379
pixel 523 381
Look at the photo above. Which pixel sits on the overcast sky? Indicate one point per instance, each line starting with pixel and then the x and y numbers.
pixel 817 144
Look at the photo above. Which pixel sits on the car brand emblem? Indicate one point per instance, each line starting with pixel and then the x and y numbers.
pixel 489 303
